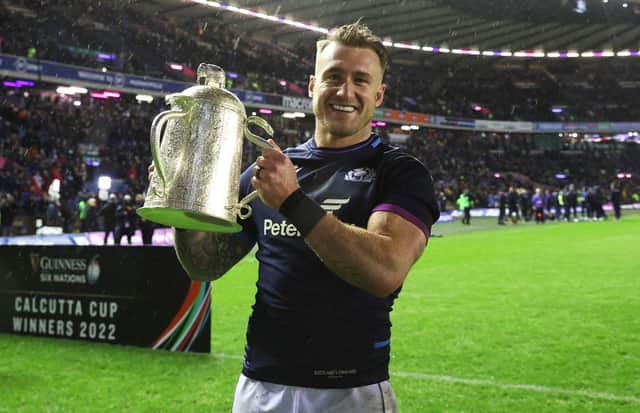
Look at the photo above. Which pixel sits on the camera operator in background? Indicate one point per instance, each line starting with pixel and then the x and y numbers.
pixel 126 219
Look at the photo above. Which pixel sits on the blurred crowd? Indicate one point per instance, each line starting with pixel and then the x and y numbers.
pixel 52 153
pixel 487 164
pixel 117 37
pixel 45 138
pixel 53 147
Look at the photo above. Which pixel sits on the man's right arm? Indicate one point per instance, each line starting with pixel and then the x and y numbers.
pixel 207 256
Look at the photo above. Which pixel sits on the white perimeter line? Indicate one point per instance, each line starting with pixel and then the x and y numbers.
pixel 528 387
pixel 491 383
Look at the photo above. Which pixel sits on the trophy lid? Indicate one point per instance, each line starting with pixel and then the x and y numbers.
pixel 211 87
pixel 211 75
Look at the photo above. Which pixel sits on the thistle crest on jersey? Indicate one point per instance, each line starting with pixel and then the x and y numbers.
pixel 360 175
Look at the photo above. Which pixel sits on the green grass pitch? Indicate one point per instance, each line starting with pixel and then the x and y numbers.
pixel 521 318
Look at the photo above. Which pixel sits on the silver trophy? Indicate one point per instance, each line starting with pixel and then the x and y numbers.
pixel 197 153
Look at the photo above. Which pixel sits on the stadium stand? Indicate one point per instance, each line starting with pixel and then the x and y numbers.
pixel 123 39
pixel 46 137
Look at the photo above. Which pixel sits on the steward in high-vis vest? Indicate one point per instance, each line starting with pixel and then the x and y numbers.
pixel 464 203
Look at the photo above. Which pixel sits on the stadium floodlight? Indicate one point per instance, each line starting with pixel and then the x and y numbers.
pixel 71 90
pixel 466 51
pixel 260 15
pixel 497 53
pixel 64 90
pixel 406 46
pixel 530 53
pixel 104 183
pixel 144 98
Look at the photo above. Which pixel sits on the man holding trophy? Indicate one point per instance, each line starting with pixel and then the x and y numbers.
pixel 318 339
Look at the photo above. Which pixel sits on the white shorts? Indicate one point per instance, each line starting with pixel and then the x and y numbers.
pixel 254 396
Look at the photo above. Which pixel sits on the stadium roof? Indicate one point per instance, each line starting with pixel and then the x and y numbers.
pixel 483 25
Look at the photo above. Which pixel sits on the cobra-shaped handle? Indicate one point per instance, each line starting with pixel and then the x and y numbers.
pixel 243 209
pixel 252 137
pixel 156 137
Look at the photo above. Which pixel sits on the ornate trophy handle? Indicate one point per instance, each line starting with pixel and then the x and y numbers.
pixel 156 136
pixel 242 209
pixel 252 137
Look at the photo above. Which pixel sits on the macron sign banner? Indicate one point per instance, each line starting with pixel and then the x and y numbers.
pixel 136 296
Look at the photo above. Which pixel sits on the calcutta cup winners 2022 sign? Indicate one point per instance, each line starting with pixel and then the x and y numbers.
pixel 121 295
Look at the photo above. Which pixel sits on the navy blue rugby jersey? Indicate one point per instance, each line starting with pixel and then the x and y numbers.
pixel 309 327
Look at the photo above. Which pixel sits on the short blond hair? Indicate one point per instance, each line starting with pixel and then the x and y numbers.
pixel 355 35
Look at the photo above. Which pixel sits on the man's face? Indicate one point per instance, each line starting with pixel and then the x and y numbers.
pixel 346 89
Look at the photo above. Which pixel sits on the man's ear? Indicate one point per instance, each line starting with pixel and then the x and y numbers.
pixel 380 94
pixel 312 84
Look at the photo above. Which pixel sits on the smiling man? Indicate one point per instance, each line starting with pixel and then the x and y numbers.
pixel 346 88
pixel 340 221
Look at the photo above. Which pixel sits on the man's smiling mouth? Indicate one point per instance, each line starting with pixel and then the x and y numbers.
pixel 343 108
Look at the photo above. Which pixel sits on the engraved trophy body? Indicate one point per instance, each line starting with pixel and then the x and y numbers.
pixel 197 153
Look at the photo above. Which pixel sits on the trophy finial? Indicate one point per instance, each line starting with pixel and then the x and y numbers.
pixel 211 75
